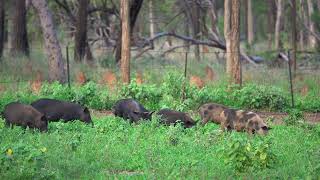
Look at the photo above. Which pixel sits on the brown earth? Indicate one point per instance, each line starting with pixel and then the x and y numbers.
pixel 311 118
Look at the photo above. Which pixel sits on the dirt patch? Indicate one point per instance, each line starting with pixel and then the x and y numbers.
pixel 311 118
pixel 102 113
pixel 125 172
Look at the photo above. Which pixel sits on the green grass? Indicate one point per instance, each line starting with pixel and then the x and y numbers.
pixel 116 149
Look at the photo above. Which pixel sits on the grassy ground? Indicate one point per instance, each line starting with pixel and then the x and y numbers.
pixel 116 149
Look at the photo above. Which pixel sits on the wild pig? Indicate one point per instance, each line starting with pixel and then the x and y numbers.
pixel 240 120
pixel 55 110
pixel 132 110
pixel 19 114
pixel 172 117
pixel 211 112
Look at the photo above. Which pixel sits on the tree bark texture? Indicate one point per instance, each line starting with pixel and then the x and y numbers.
pixel 19 41
pixel 312 39
pixel 151 18
pixel 232 36
pixel 294 34
pixel 250 23
pixel 196 27
pixel 302 35
pixel 81 31
pixel 271 21
pixel 135 7
pixel 278 24
pixel 2 27
pixel 52 46
pixel 214 20
pixel 125 41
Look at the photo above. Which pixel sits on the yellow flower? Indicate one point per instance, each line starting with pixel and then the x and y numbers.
pixel 9 152
pixel 44 149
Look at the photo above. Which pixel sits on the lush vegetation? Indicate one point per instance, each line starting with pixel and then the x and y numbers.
pixel 115 148
pixel 170 95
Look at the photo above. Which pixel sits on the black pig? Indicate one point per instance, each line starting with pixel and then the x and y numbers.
pixel 16 113
pixel 56 110
pixel 131 109
pixel 171 117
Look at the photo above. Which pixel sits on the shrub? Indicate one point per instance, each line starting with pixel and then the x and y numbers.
pixel 149 95
pixel 260 97
pixel 243 154
pixel 295 117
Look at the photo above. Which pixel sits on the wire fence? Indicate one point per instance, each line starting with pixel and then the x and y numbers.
pixel 153 65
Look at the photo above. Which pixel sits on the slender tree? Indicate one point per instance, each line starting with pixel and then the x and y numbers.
pixel 312 39
pixel 214 19
pixel 52 46
pixel 2 27
pixel 250 23
pixel 151 18
pixel 232 36
pixel 125 41
pixel 294 34
pixel 278 24
pixel 81 31
pixel 196 27
pixel 306 21
pixel 271 21
pixel 135 7
pixel 19 40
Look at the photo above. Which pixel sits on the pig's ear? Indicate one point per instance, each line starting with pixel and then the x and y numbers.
pixel 86 110
pixel 43 118
pixel 150 113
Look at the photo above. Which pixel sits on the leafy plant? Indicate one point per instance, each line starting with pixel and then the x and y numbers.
pixel 242 154
pixel 294 117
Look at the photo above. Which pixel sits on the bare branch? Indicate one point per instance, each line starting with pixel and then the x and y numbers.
pixel 305 25
pixel 212 43
pixel 64 5
pixel 185 38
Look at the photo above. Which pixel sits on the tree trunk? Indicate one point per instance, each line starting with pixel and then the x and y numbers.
pixel 294 34
pixel 19 44
pixel 227 31
pixel 81 31
pixel 2 28
pixel 151 18
pixel 306 21
pixel 312 39
pixel 125 41
pixel 196 28
pixel 235 42
pixel 232 35
pixel 278 25
pixel 186 31
pixel 134 11
pixel 53 50
pixel 271 21
pixel 245 19
pixel 214 20
pixel 250 23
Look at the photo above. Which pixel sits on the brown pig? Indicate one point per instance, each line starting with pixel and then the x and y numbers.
pixel 24 115
pixel 240 120
pixel 211 112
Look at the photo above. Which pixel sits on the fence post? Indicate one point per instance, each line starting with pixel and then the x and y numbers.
pixel 185 65
pixel 290 78
pixel 68 66
pixel 185 76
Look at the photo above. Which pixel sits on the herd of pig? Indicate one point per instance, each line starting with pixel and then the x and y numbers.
pixel 39 113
